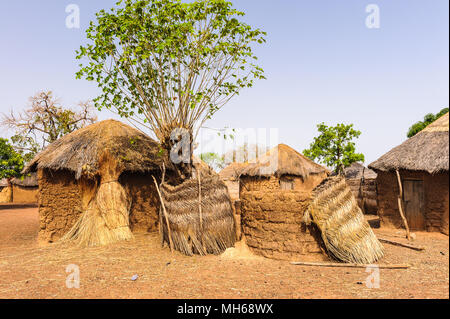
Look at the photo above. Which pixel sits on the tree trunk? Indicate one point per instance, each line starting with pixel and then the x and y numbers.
pixel 180 149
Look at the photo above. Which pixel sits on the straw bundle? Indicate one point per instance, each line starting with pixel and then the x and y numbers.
pixel 105 220
pixel 198 229
pixel 346 234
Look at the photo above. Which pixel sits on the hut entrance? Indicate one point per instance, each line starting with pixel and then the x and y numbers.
pixel 413 198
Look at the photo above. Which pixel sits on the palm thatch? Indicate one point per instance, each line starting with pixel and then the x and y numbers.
pixel 80 151
pixel 346 234
pixel 283 160
pixel 426 151
pixel 26 181
pixel 194 231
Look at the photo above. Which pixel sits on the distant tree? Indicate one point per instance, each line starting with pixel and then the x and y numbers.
pixel 427 120
pixel 334 147
pixel 11 162
pixel 215 161
pixel 44 122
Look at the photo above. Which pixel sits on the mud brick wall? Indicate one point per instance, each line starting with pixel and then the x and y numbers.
pixel 5 194
pixel 437 202
pixel 24 194
pixel 145 201
pixel 59 204
pixel 233 188
pixel 272 221
pixel 365 194
pixel 436 192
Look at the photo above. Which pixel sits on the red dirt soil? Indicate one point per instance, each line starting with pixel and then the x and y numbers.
pixel 28 270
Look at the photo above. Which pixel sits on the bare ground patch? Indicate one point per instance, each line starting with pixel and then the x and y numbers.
pixel 28 270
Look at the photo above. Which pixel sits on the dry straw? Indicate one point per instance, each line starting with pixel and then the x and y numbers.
pixel 345 232
pixel 105 220
pixel 210 232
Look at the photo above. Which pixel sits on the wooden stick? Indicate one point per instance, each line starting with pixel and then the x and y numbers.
pixel 396 243
pixel 400 208
pixel 200 199
pixel 165 214
pixel 200 209
pixel 351 265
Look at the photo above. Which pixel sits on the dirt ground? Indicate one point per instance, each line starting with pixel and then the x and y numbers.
pixel 28 270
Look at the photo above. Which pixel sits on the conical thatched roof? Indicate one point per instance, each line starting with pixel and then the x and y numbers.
pixel 232 171
pixel 357 171
pixel 80 151
pixel 283 160
pixel 427 151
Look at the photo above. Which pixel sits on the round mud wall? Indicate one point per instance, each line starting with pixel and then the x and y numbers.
pixel 272 222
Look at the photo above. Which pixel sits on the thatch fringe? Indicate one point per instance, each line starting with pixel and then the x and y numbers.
pixel 215 233
pixel 426 151
pixel 346 234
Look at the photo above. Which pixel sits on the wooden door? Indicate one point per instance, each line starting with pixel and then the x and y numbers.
pixel 414 203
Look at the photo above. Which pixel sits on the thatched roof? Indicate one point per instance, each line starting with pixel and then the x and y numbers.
pixel 3 182
pixel 283 160
pixel 80 151
pixel 232 171
pixel 357 171
pixel 345 232
pixel 426 151
pixel 27 181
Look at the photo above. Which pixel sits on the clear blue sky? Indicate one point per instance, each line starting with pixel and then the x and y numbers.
pixel 322 64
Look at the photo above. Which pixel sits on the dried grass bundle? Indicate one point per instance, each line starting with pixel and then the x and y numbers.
pixel 206 230
pixel 105 219
pixel 345 232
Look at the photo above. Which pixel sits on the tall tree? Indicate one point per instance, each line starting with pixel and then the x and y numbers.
pixel 427 120
pixel 170 65
pixel 334 146
pixel 44 121
pixel 214 160
pixel 11 162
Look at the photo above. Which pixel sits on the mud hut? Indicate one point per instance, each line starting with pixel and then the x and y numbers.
pixel 275 192
pixel 230 175
pixel 363 183
pixel 422 163
pixel 95 184
pixel 5 191
pixel 25 190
